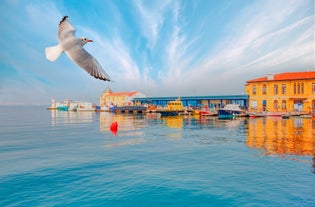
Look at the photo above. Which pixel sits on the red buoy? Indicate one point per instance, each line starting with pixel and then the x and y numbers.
pixel 114 127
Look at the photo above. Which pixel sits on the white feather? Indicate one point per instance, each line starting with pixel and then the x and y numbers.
pixel 52 53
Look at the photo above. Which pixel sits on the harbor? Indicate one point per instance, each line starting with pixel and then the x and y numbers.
pixel 263 98
pixel 150 103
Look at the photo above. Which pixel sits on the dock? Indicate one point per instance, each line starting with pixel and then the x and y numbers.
pixel 130 109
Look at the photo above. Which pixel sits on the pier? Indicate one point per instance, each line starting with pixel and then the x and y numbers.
pixel 130 109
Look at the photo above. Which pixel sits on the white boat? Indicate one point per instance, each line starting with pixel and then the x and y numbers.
pixel 230 111
pixel 265 113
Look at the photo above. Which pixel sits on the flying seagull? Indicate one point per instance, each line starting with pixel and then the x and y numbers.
pixel 73 47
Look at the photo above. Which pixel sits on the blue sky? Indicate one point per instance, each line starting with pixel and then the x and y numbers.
pixel 160 48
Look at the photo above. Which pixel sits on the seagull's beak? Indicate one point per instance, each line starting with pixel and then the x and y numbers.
pixel 90 40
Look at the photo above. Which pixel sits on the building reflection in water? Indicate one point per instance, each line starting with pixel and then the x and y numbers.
pixel 276 136
pixel 70 117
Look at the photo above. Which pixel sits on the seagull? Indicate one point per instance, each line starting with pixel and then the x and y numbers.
pixel 73 47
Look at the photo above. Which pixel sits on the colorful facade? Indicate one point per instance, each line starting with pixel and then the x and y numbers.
pixel 284 92
pixel 109 98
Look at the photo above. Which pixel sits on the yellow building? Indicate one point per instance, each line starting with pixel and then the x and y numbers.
pixel 284 92
pixel 109 98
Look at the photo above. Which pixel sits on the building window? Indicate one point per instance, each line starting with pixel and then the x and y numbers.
pixel 284 105
pixel 313 88
pixel 275 105
pixel 254 89
pixel 284 89
pixel 275 89
pixel 254 104
pixel 302 88
pixel 264 89
pixel 294 88
pixel 298 91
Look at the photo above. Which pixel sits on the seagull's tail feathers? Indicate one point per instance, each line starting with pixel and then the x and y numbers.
pixel 52 53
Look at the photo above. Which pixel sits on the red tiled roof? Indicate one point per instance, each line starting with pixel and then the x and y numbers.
pixel 286 76
pixel 122 93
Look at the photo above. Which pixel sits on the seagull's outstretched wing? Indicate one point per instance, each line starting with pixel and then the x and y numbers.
pixel 65 29
pixel 86 61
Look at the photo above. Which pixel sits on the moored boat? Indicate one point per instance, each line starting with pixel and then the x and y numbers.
pixel 151 109
pixel 174 108
pixel 230 111
pixel 265 113
pixel 207 113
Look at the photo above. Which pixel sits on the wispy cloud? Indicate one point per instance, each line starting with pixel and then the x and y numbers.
pixel 151 18
pixel 265 42
pixel 157 47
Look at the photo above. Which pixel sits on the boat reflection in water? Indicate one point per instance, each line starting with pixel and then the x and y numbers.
pixel 176 122
pixel 282 137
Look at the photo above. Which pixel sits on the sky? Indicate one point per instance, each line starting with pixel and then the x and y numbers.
pixel 157 47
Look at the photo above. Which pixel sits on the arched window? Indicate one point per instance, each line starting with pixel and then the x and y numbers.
pixel 275 105
pixel 284 105
pixel 254 89
pixel 302 88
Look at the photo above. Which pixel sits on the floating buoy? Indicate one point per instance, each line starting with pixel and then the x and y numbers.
pixel 114 127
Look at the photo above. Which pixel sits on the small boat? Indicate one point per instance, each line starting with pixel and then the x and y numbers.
pixel 207 113
pixel 264 114
pixel 256 114
pixel 63 108
pixel 151 109
pixel 230 111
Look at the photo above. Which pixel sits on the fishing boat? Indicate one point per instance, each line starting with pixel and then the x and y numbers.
pixel 230 111
pixel 174 108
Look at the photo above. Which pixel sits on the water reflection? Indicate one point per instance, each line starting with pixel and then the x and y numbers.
pixel 276 136
pixel 176 122
pixel 272 136
pixel 128 124
pixel 70 117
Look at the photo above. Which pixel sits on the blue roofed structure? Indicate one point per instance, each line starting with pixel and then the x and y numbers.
pixel 197 101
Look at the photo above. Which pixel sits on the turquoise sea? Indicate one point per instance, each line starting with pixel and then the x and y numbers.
pixel 51 158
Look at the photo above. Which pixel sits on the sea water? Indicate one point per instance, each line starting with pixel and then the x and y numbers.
pixel 58 158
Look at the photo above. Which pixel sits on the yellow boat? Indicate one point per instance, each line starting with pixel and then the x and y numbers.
pixel 174 108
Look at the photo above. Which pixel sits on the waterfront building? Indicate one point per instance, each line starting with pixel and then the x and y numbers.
pixel 109 98
pixel 284 92
pixel 70 105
